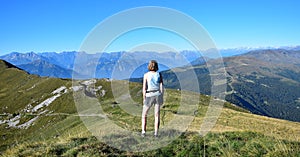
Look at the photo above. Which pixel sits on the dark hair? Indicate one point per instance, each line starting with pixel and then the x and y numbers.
pixel 153 65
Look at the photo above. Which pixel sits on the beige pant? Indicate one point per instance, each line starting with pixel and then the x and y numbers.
pixel 157 101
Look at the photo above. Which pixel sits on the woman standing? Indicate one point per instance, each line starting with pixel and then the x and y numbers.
pixel 152 95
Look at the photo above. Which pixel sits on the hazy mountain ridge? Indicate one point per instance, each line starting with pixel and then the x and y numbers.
pixel 278 56
pixel 63 59
pixel 22 58
pixel 108 63
pixel 38 64
pixel 44 68
pixel 105 63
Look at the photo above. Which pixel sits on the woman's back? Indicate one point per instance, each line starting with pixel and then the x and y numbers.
pixel 153 81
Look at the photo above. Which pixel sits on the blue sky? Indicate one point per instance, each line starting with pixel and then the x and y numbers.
pixel 62 25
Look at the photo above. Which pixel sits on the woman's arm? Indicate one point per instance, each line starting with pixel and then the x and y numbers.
pixel 161 84
pixel 144 86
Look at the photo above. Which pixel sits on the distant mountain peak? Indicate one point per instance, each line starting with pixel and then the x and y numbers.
pixel 280 56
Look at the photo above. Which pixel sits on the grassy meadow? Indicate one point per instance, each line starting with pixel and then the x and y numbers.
pixel 61 129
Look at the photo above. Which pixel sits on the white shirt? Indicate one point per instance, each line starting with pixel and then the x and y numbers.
pixel 153 83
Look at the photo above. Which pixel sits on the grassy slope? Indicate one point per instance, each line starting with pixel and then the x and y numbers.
pixel 18 89
pixel 266 83
pixel 62 133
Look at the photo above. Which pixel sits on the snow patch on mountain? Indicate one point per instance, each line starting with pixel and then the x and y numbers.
pixel 36 111
pixel 48 101
pixel 28 124
pixel 12 122
pixel 88 86
pixel 77 88
pixel 15 120
pixel 58 90
pixel 89 82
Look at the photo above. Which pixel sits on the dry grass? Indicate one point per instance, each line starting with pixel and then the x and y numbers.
pixel 230 120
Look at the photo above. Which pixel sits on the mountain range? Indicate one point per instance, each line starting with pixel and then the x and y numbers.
pixel 105 63
pixel 265 82
pixel 100 65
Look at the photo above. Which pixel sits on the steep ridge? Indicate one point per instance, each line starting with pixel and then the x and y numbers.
pixel 25 100
pixel 4 65
pixel 44 68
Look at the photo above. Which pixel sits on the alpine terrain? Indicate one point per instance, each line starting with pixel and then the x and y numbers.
pixel 43 116
pixel 265 82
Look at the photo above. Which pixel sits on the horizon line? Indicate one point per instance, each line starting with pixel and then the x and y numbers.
pixel 218 49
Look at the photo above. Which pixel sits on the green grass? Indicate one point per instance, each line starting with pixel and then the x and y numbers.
pixel 63 133
pixel 188 144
